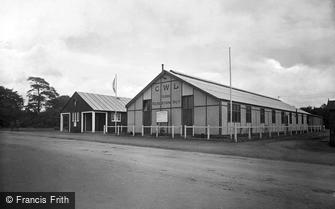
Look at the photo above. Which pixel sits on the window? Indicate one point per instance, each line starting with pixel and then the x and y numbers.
pixel 236 112
pixel 282 117
pixel 273 116
pixel 116 117
pixel 296 118
pixel 187 102
pixel 290 118
pixel 187 110
pixel 262 115
pixel 147 105
pixel 248 114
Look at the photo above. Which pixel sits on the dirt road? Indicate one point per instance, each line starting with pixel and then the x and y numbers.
pixel 119 176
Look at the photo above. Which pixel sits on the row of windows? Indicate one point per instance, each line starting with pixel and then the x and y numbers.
pixel 187 103
pixel 236 110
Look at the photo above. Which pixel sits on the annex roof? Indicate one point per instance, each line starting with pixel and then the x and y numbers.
pixel 238 95
pixel 105 102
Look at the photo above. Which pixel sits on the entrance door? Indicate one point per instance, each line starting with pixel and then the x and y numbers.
pixel 100 119
pixel 87 121
pixel 66 124
pixel 147 115
pixel 187 112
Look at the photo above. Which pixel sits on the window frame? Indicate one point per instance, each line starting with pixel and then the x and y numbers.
pixel 262 115
pixel 115 115
pixel 236 112
pixel 273 116
pixel 248 114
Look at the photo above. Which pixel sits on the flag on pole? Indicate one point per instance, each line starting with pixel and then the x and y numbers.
pixel 115 85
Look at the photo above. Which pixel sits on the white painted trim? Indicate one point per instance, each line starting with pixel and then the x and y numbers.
pixel 106 122
pixel 82 122
pixel 61 123
pixel 93 121
pixel 62 120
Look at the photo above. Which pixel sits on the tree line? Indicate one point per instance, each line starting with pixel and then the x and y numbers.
pixel 41 111
pixel 45 104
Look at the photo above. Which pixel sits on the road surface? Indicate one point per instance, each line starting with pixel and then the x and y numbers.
pixel 118 176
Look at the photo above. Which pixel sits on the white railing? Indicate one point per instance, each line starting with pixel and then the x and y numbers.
pixel 234 131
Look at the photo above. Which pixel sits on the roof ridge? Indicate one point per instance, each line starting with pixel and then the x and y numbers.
pixel 102 94
pixel 215 83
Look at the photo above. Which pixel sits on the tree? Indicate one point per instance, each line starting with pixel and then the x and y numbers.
pixel 57 103
pixel 11 104
pixel 53 109
pixel 321 111
pixel 40 93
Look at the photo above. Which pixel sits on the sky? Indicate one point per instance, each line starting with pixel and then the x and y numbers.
pixel 282 49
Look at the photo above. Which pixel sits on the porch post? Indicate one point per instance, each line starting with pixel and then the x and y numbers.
pixel 81 122
pixel 93 122
pixel 61 123
pixel 106 122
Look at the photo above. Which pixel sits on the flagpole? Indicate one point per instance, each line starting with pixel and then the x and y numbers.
pixel 116 84
pixel 231 102
pixel 115 113
pixel 116 97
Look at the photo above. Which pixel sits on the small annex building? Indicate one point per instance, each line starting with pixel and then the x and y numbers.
pixel 192 101
pixel 87 112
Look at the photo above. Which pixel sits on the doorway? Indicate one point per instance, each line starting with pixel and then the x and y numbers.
pixel 147 115
pixel 187 112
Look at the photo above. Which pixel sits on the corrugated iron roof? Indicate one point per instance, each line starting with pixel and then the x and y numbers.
pixel 105 102
pixel 223 92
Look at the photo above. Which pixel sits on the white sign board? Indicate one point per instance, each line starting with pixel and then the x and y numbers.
pixel 162 116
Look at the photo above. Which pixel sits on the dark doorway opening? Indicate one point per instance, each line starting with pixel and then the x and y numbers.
pixel 87 122
pixel 66 124
pixel 147 115
pixel 187 112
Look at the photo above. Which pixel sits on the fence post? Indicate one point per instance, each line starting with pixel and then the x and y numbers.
pixel 284 130
pixel 208 132
pixel 104 129
pixel 150 130
pixel 249 133
pixel 172 132
pixel 156 131
pixel 235 133
pixel 118 130
pixel 142 130
pixel 121 129
pixel 270 131
pixel 133 130
pixel 181 130
pixel 277 130
pixel 260 132
pixel 185 131
pixel 192 130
